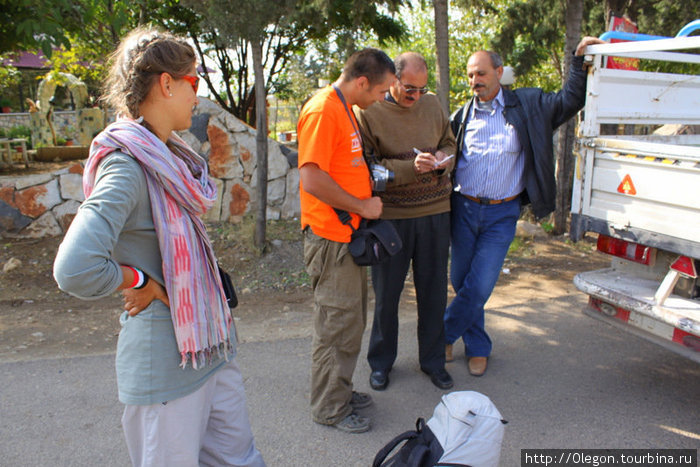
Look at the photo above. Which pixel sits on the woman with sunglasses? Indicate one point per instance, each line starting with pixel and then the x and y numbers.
pixel 139 231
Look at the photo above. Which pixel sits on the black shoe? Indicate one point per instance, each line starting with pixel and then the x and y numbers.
pixel 379 380
pixel 441 378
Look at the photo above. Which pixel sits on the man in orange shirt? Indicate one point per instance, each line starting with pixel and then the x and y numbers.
pixel 333 174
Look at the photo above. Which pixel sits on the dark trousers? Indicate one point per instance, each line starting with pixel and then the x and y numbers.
pixel 426 242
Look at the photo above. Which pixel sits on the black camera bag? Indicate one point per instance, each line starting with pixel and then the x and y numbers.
pixel 229 291
pixel 374 240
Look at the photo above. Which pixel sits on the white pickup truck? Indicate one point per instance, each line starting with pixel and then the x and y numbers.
pixel 638 188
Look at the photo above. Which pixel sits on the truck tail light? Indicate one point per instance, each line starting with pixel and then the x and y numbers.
pixel 635 319
pixel 627 250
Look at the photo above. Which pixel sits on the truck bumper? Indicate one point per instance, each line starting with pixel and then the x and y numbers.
pixel 627 302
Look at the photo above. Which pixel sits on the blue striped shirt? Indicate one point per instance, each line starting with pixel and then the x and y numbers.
pixel 492 161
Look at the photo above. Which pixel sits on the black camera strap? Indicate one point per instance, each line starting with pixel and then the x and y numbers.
pixel 344 216
pixel 352 120
pixel 372 157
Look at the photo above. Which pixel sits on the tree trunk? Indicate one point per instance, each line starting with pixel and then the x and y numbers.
pixel 565 162
pixel 442 45
pixel 618 8
pixel 261 145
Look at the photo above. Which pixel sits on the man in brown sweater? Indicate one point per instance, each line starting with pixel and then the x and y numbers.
pixel 409 134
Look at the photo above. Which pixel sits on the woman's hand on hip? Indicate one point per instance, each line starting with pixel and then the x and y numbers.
pixel 136 300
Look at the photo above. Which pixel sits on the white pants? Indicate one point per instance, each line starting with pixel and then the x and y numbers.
pixel 208 427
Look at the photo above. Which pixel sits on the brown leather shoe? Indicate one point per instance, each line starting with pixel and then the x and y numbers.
pixel 477 365
pixel 448 353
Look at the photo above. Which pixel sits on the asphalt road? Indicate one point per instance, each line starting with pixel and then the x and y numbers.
pixel 563 380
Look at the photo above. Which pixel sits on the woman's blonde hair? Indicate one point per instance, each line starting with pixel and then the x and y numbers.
pixel 141 57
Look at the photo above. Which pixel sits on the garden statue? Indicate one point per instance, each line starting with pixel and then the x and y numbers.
pixel 90 121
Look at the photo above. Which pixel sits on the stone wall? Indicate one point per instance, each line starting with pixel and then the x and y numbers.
pixel 44 204
pixel 61 120
pixel 10 120
pixel 229 146
pixel 40 205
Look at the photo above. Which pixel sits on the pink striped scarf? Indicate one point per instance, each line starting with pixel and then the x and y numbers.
pixel 181 191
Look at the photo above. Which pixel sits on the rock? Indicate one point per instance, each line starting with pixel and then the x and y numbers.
pixel 11 220
pixel 528 230
pixel 291 207
pixel 278 165
pixel 276 191
pixel 235 200
pixel 233 124
pixel 11 264
pixel 246 152
pixel 272 214
pixel 72 187
pixel 36 200
pixel 291 155
pixel 65 213
pixel 44 226
pixel 32 180
pixel 199 126
pixel 222 163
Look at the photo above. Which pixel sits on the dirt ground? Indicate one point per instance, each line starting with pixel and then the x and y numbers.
pixel 37 320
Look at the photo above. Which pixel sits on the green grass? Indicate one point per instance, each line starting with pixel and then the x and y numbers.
pixel 520 247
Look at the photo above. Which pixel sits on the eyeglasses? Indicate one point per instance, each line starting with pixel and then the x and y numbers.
pixel 193 80
pixel 412 90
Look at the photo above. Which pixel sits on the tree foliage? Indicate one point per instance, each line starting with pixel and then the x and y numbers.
pixel 531 32
pixel 9 75
pixel 100 28
pixel 32 24
pixel 272 32
pixel 471 28
pixel 287 29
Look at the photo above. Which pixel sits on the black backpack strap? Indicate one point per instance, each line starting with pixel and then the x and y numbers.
pixel 408 435
pixel 386 450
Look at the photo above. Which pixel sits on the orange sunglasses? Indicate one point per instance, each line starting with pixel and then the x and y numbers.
pixel 193 80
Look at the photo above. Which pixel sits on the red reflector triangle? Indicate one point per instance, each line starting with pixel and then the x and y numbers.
pixel 627 187
pixel 685 266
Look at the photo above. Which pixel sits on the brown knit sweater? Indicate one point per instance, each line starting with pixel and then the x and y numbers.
pixel 390 132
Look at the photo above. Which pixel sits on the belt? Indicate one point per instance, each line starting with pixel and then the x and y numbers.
pixel 488 200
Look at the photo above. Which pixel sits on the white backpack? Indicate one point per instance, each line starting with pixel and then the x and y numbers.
pixel 469 428
pixel 466 429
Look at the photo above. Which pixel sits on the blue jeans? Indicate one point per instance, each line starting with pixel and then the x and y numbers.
pixel 481 235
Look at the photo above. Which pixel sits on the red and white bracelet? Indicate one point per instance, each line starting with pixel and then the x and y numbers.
pixel 140 278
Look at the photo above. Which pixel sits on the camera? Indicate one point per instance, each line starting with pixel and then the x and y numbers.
pixel 381 176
